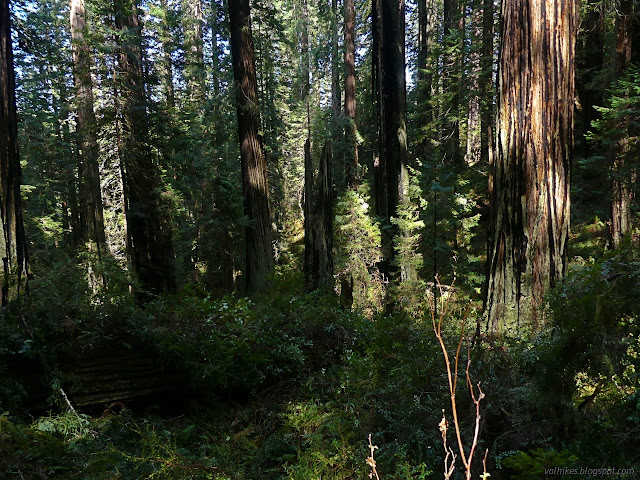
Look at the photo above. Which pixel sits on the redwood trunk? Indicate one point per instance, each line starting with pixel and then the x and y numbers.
pixel 90 197
pixel 323 224
pixel 13 247
pixel 149 236
pixel 391 172
pixel 530 204
pixel 166 68
pixel 259 255
pixel 194 59
pixel 351 160
pixel 622 195
pixel 335 74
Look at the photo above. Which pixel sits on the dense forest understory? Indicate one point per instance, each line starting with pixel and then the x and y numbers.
pixel 319 239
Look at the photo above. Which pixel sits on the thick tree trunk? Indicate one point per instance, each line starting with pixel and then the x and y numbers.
pixel 13 247
pixel 621 194
pixel 351 160
pixel 90 195
pixel 323 224
pixel 310 281
pixel 530 218
pixel 194 59
pixel 259 254
pixel 392 177
pixel 149 235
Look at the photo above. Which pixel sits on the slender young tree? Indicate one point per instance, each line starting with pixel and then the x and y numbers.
pixel 13 248
pixel 90 198
pixel 259 253
pixel 530 202
pixel 149 236
pixel 621 194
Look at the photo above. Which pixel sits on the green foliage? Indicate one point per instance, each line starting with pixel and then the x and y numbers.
pixel 533 465
pixel 358 243
pixel 409 292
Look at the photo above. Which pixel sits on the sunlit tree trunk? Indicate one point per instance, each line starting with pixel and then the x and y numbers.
pixel 530 202
pixel 621 171
pixel 13 247
pixel 259 254
pixel 194 71
pixel 90 196
pixel 351 160
pixel 149 234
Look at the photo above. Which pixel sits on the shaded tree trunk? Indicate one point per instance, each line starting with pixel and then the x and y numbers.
pixel 13 247
pixel 322 266
pixel 621 171
pixel 451 78
pixel 427 14
pixel 530 202
pixel 150 242
pixel 215 49
pixel 351 160
pixel 392 176
pixel 259 254
pixel 335 73
pixel 474 120
pixel 166 70
pixel 92 232
pixel 486 86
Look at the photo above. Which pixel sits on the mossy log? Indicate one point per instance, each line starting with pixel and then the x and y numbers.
pixel 117 377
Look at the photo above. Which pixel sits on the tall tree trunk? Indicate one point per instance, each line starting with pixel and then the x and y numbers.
pixel 215 49
pixel 392 177
pixel 323 224
pixel 474 128
pixel 149 235
pixel 309 241
pixel 530 218
pixel 259 254
pixel 621 194
pixel 451 79
pixel 166 67
pixel 427 14
pixel 90 195
pixel 13 248
pixel 486 86
pixel 351 160
pixel 194 59
pixel 335 73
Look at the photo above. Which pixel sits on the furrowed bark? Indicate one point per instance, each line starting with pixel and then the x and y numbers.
pixel 530 202
pixel 259 254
